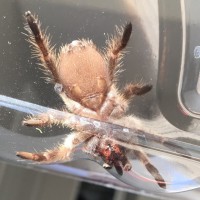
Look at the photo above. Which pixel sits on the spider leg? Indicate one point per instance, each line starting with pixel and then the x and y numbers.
pixel 117 103
pixel 123 157
pixel 61 153
pixel 91 145
pixel 119 159
pixel 115 106
pixel 58 154
pixel 41 120
pixel 118 167
pixel 151 168
pixel 67 120
pixel 115 46
pixel 131 90
pixel 41 46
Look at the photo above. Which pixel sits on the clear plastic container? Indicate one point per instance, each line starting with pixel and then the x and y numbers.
pixel 163 51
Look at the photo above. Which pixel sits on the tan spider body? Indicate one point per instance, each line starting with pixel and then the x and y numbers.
pixel 90 90
pixel 84 78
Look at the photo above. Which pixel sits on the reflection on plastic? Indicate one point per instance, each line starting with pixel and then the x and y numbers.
pixel 177 162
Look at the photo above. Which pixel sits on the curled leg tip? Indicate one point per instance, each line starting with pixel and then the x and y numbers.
pixel 148 87
pixel 144 89
pixel 24 123
pixel 25 155
pixel 162 184
pixel 31 156
pixel 127 167
pixel 128 27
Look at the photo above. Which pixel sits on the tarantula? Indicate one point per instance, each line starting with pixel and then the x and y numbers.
pixel 85 79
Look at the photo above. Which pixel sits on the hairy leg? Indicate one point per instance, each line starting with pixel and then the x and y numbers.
pixel 131 90
pixel 41 47
pixel 115 105
pixel 151 168
pixel 61 153
pixel 115 45
pixel 66 120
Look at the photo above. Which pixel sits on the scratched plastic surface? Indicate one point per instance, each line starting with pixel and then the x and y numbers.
pixel 176 161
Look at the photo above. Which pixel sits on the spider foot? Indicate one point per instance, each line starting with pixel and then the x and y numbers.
pixel 31 156
pixel 127 167
pixel 41 120
pixel 118 168
pixel 162 184
pixel 157 176
pixel 132 89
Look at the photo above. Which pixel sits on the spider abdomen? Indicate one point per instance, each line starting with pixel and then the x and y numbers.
pixel 83 73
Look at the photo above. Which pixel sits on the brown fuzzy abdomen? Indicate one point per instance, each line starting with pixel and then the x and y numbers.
pixel 83 73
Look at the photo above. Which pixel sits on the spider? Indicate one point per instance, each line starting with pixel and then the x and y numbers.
pixel 85 78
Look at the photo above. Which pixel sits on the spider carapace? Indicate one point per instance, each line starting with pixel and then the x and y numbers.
pixel 85 79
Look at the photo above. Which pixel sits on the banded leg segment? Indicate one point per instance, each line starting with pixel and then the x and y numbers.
pixel 59 154
pixel 151 168
pixel 131 90
pixel 41 46
pixel 116 45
